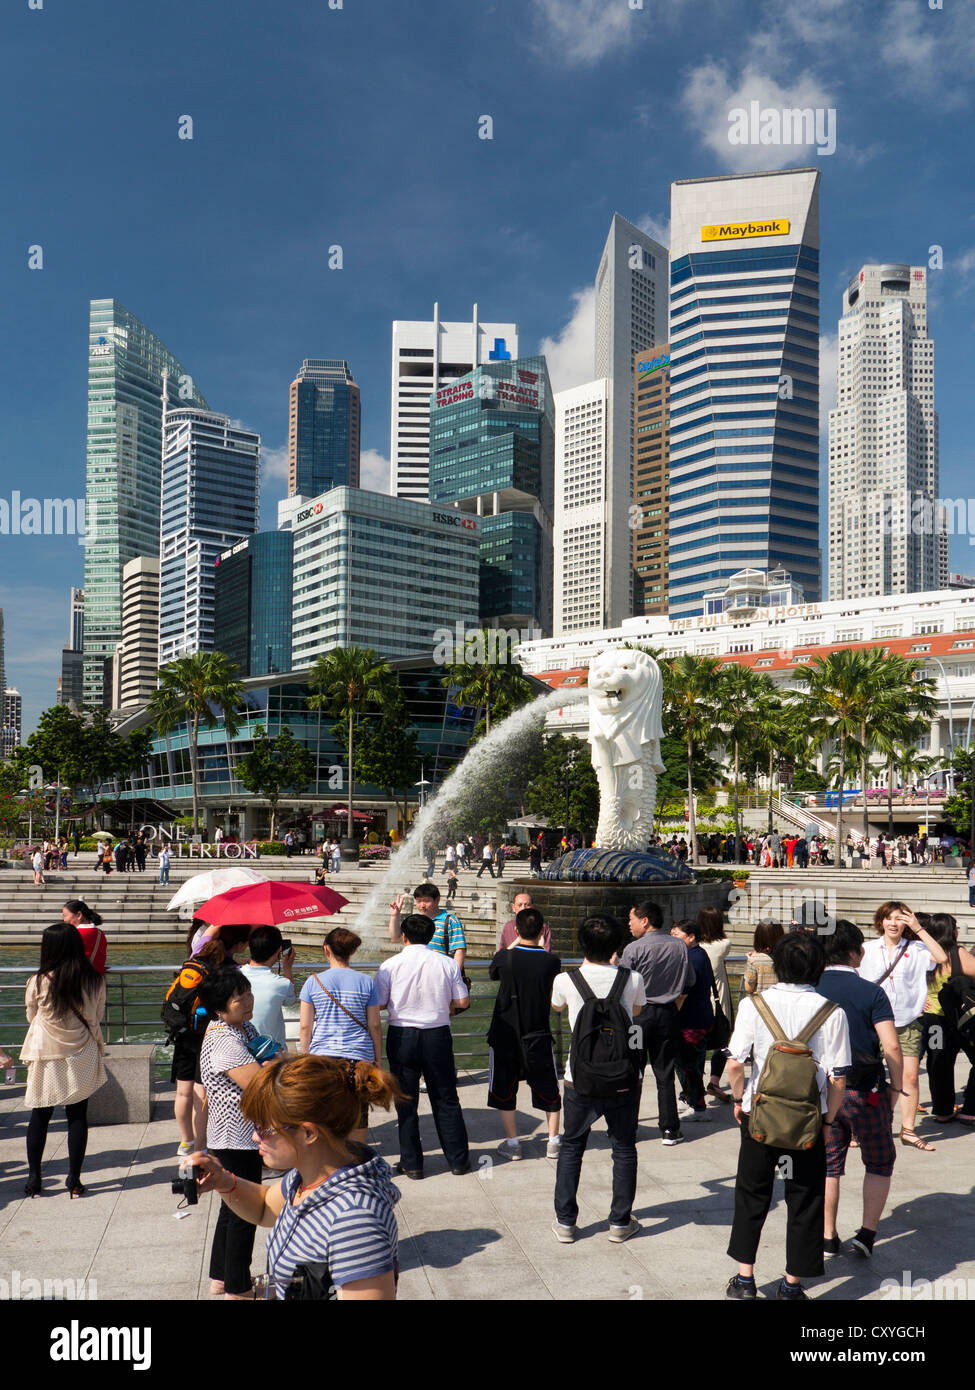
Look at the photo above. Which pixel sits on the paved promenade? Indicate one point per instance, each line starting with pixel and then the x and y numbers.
pixel 486 1235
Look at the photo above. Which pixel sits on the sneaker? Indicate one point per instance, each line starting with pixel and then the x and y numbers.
pixel 862 1243
pixel 565 1235
pixel 700 1115
pixel 791 1293
pixel 831 1246
pixel 671 1137
pixel 511 1148
pixel 184 1149
pixel 618 1234
pixel 743 1291
pixel 685 1111
pixel 553 1147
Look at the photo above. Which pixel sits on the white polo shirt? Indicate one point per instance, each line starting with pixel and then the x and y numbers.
pixel 793 1006
pixel 907 985
pixel 600 979
pixel 418 987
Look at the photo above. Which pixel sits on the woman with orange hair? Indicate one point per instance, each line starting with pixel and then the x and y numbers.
pixel 334 1228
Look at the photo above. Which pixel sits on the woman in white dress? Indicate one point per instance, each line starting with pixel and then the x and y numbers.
pixel 63 1048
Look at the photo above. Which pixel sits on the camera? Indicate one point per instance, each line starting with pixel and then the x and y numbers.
pixel 184 1185
pixel 286 947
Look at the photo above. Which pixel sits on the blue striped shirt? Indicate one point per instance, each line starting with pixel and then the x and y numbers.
pixel 348 1223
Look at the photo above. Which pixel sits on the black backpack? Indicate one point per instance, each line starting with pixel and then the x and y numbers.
pixel 606 1051
pixel 957 999
pixel 181 1010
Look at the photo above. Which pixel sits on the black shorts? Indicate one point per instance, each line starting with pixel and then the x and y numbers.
pixel 186 1058
pixel 506 1071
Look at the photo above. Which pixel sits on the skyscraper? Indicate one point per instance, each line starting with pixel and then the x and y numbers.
pixel 631 315
pixel 324 428
pixel 3 662
pixel 492 456
pixel 139 649
pixel 885 531
pixel 582 531
pixel 210 500
pixel 125 372
pixel 744 381
pixel 651 497
pixel 10 734
pixel 428 355
pixel 252 618
pixel 71 679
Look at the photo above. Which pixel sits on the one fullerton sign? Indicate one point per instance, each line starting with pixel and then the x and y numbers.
pixel 741 231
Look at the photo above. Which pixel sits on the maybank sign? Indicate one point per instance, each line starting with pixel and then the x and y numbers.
pixel 739 231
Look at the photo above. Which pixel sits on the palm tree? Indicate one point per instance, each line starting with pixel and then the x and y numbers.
pixel 345 682
pixel 901 716
pixel 692 695
pixel 831 705
pixel 741 693
pixel 497 688
pixel 191 690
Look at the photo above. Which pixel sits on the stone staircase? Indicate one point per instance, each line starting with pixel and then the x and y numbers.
pixel 133 906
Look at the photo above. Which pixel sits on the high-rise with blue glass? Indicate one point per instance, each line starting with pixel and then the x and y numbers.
pixel 324 428
pixel 126 363
pixel 492 455
pixel 744 381
pixel 252 603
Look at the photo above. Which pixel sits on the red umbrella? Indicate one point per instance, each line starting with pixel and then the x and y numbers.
pixel 271 904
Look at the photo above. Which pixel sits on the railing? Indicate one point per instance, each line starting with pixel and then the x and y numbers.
pixel 135 994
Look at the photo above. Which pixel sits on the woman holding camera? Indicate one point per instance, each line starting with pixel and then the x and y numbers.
pixel 63 1048
pixel 900 961
pixel 226 1066
pixel 334 1228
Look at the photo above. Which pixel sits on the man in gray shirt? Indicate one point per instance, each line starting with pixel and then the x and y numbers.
pixel 667 973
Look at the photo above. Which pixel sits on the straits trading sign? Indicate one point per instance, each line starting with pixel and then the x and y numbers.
pixel 450 395
pixel 741 231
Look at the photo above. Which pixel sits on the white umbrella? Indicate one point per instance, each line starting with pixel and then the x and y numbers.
pixel 202 887
pixel 103 835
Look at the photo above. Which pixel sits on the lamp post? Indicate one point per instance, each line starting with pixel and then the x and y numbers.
pixel 422 784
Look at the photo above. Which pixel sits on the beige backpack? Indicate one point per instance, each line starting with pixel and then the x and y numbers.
pixel 786 1109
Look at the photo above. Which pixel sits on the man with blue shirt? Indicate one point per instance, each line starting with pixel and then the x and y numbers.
pixel 271 991
pixel 448 930
pixel 867 1109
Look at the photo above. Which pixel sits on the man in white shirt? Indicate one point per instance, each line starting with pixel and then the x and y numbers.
pixel 421 989
pixel 600 938
pixel 900 961
pixel 798 960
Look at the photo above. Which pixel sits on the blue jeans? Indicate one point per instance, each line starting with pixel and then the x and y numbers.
pixel 427 1052
pixel 579 1115
pixel 164 874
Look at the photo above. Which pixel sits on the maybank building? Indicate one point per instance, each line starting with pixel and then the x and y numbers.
pixel 744 382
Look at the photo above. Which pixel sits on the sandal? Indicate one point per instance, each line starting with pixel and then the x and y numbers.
pixel 909 1138
pixel 854 1144
pixel 715 1090
pixel 965 1119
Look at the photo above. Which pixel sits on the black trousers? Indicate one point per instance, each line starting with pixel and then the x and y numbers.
pixel 77 1117
pixel 660 1041
pixel 943 1044
pixel 233 1238
pixel 805 1195
pixel 427 1052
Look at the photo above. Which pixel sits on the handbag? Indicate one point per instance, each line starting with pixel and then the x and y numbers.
pixel 720 1034
pixel 338 1003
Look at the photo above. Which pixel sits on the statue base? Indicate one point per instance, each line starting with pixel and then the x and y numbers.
pixel 618 866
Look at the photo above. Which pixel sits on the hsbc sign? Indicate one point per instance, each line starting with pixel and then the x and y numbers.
pixel 468 523
pixel 309 511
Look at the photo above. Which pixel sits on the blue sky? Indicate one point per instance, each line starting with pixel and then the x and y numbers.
pixel 358 126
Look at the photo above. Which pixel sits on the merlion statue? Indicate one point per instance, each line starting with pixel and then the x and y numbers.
pixel 625 697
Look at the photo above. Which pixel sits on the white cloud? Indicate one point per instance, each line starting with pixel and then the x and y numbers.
pixel 828 376
pixel 571 355
pixel 274 464
pixel 709 97
pixel 657 227
pixel 373 471
pixel 579 32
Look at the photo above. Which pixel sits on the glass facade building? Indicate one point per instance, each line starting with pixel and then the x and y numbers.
pixel 492 455
pixel 210 500
pixel 252 603
pixel 651 452
pixel 126 363
pixel 324 428
pixel 744 382
pixel 376 571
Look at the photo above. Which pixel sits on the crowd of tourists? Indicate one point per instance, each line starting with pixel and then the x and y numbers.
pixel 828 1035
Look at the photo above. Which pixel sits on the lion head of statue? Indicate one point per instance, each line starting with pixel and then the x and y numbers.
pixel 625 692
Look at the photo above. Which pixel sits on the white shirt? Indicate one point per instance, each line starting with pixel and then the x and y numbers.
pixel 600 979
pixel 487 852
pixel 907 986
pixel 418 986
pixel 793 1007
pixel 460 847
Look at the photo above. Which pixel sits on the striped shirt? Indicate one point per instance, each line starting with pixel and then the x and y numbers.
pixel 447 923
pixel 348 1224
